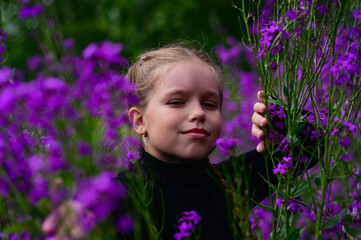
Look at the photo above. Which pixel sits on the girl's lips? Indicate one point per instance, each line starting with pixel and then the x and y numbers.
pixel 197 133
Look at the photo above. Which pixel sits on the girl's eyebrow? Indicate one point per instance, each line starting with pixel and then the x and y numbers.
pixel 181 91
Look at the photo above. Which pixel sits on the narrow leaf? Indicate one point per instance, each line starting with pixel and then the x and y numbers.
pixel 300 189
pixel 333 221
pixel 267 208
pixel 294 235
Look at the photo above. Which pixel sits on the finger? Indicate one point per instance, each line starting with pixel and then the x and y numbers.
pixel 259 107
pixel 259 120
pixel 257 132
pixel 260 147
pixel 260 96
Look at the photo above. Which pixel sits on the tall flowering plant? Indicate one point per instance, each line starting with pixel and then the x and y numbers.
pixel 62 141
pixel 308 56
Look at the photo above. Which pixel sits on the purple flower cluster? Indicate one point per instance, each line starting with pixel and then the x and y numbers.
pixel 187 224
pixel 231 56
pixel 344 132
pixel 237 112
pixel 293 206
pixel 129 160
pixel 30 11
pixel 283 166
pixel 227 147
pixel 331 211
pixel 50 125
pixel 272 37
pixel 3 36
pixel 302 12
pixel 347 64
pixel 261 221
pixel 277 137
pixel 357 15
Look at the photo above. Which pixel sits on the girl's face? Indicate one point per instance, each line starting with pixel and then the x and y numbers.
pixel 183 116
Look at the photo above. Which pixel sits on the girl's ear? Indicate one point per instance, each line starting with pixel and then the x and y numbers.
pixel 136 118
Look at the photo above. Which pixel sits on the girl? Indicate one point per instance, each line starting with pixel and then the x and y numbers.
pixel 179 119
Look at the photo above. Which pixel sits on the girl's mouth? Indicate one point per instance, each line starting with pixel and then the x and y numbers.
pixel 197 133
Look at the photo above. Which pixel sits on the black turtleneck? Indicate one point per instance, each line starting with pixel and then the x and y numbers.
pixel 186 187
pixel 193 186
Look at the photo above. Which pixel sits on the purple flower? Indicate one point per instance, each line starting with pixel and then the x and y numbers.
pixel 101 195
pixel 352 128
pixel 130 160
pixel 331 211
pixel 107 51
pixel 268 39
pixel 90 50
pixel 231 41
pixel 281 168
pixel 322 10
pixel 357 15
pixel 273 66
pixel 293 206
pixel 4 187
pixel 191 217
pixel 84 148
pixel 30 11
pixel 68 43
pixel 314 135
pixel 292 15
pixel 125 224
pixel 187 223
pixel 185 230
pixel 227 146
pixel 36 164
pixel 34 62
pixel 345 142
pixel 261 220
pixel 355 212
pixel 279 202
pixel 229 56
pixel 39 189
pixel 5 75
pixel 287 159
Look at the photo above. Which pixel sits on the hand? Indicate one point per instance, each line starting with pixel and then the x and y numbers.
pixel 259 121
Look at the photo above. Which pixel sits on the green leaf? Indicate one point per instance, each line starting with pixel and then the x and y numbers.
pixel 277 102
pixel 300 189
pixel 267 208
pixel 318 181
pixel 275 189
pixel 333 221
pixel 299 128
pixel 285 91
pixel 337 177
pixel 294 235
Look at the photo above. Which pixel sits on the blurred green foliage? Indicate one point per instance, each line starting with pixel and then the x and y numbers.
pixel 139 24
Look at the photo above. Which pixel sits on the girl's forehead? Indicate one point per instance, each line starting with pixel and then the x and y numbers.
pixel 186 73
pixel 185 70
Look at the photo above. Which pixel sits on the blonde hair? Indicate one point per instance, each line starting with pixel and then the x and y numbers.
pixel 152 65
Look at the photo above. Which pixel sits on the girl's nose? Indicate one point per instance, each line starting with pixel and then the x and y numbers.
pixel 197 113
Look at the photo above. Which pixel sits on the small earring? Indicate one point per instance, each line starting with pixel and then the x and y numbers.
pixel 144 133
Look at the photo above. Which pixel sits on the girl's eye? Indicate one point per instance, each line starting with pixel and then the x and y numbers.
pixel 210 105
pixel 175 102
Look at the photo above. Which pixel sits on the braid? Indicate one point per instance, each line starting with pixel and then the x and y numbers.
pixel 220 178
pixel 231 193
pixel 228 187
